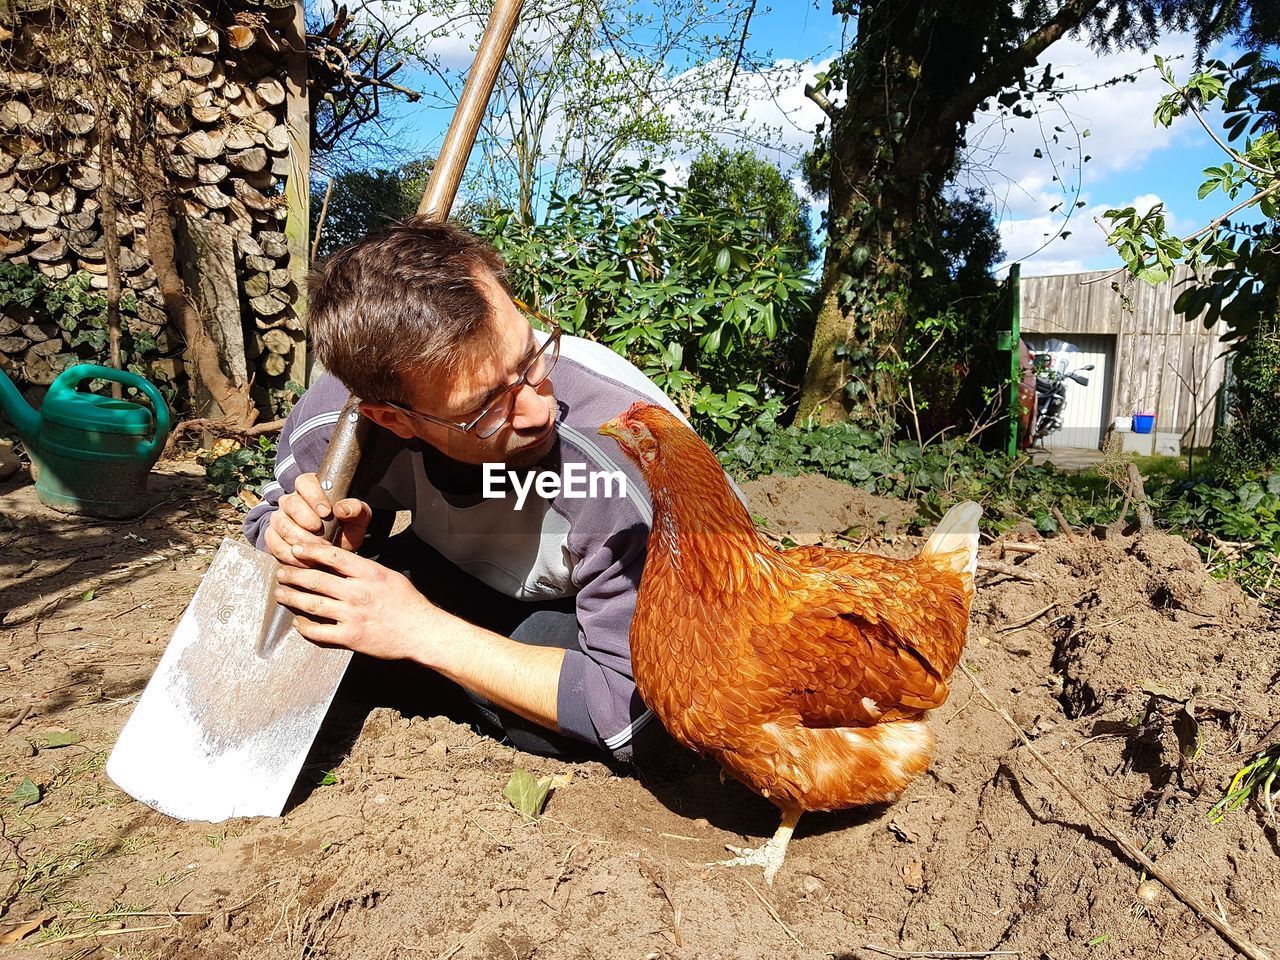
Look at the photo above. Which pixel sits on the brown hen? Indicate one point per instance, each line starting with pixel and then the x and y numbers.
pixel 808 672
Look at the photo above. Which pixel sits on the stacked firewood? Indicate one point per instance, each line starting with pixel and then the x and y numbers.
pixel 218 117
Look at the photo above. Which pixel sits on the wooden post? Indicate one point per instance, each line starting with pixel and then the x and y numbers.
pixel 1011 340
pixel 297 189
pixel 1015 358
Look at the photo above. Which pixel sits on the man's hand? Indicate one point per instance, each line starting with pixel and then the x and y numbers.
pixel 342 599
pixel 300 519
pixel 345 600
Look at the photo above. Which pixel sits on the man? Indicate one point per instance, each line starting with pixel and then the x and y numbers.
pixel 523 602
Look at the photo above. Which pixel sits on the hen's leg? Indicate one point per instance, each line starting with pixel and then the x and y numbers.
pixel 770 855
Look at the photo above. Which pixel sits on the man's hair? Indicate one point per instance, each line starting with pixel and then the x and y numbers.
pixel 403 300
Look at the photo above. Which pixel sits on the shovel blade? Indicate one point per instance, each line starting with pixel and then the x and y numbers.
pixel 222 730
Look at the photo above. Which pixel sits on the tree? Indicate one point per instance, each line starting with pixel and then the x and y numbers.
pixel 1238 269
pixel 899 102
pixel 354 51
pixel 742 180
pixel 585 86
pixel 696 294
pixel 361 201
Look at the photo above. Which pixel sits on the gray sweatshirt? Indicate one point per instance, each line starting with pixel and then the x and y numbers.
pixel 591 548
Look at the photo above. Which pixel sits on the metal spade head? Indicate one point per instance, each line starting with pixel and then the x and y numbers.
pixel 226 721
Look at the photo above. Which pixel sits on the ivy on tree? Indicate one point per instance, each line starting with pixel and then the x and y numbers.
pixel 899 102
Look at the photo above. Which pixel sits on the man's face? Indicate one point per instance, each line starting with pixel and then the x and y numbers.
pixel 527 436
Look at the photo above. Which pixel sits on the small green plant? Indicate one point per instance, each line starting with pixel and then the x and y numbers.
pixel 1257 776
pixel 28 296
pixel 1236 527
pixel 248 468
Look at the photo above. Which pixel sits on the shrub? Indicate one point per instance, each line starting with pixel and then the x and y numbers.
pixel 698 296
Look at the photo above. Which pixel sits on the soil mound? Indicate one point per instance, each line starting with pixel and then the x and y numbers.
pixel 1139 676
pixel 813 509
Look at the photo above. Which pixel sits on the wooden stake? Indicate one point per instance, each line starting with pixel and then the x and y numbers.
pixel 1139 494
pixel 1062 524
pixel 297 188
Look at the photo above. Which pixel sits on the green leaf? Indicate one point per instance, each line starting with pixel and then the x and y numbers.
pixel 60 738
pixel 329 779
pixel 88 595
pixel 527 793
pixel 26 794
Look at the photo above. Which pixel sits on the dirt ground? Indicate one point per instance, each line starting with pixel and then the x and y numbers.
pixel 407 848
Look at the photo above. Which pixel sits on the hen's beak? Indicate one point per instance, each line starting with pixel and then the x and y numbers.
pixel 613 429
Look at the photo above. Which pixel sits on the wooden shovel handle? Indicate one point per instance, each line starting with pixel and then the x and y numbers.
pixel 349 437
pixel 437 199
pixel 343 458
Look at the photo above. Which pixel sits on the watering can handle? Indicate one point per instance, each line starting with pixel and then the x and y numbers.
pixel 92 371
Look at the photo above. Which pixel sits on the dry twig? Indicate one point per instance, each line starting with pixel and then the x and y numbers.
pixel 1242 945
pixel 1062 524
pixel 774 913
pixel 941 953
pixel 1007 570
pixel 1018 625
pixel 16 722
pixel 1014 546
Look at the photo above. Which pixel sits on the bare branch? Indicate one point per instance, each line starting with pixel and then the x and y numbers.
pixel 818 97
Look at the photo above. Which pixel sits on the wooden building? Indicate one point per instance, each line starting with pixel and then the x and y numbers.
pixel 1147 359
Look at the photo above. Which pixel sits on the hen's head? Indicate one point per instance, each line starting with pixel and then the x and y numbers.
pixel 647 433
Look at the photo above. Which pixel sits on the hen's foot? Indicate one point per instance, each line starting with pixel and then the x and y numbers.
pixel 769 856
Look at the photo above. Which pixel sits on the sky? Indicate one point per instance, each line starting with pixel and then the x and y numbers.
pixel 1132 162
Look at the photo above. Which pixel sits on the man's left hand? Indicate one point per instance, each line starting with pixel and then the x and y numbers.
pixel 342 599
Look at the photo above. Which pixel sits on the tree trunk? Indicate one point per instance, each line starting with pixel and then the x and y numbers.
pixel 871 257
pixel 917 74
pixel 231 398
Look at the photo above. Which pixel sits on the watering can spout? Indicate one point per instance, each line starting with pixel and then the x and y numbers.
pixel 17 411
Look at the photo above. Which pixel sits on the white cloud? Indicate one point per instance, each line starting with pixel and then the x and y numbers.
pixel 769 112
pixel 1122 140
pixel 1083 245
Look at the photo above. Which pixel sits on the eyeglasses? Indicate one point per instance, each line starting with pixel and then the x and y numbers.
pixel 497 412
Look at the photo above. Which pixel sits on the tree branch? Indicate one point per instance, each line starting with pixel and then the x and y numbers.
pixel 1000 75
pixel 1218 140
pixel 742 42
pixel 1233 211
pixel 816 95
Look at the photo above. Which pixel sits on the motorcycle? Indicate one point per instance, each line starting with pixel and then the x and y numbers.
pixel 1052 369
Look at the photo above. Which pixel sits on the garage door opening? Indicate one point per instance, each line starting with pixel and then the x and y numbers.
pixel 1087 411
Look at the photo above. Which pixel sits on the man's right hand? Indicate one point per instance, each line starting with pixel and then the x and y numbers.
pixel 300 517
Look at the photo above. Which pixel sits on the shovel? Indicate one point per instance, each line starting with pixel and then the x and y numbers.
pixel 228 717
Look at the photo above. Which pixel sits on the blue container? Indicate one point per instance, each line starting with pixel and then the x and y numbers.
pixel 1144 422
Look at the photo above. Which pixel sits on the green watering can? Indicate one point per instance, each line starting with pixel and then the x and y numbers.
pixel 92 453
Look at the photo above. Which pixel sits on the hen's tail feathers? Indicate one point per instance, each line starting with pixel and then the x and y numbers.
pixel 954 544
